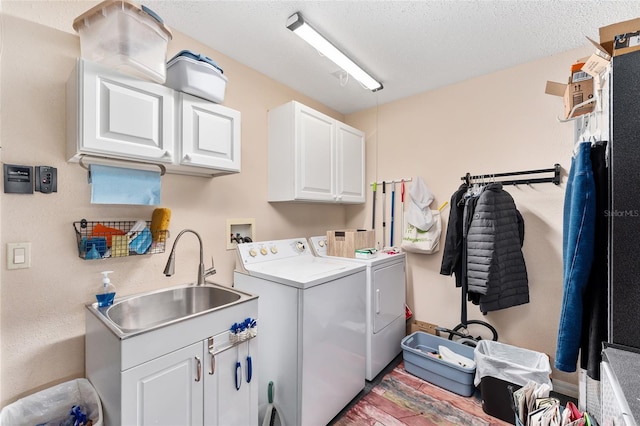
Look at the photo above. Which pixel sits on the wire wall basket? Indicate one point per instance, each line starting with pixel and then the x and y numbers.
pixel 118 238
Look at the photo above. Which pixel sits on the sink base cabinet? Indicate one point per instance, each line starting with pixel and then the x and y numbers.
pixel 155 378
pixel 164 391
pixel 226 404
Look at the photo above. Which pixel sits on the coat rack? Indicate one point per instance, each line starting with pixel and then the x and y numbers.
pixel 555 179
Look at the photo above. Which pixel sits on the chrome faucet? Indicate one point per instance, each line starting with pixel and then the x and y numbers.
pixel 169 269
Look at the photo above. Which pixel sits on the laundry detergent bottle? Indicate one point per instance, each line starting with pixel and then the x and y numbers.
pixel 107 291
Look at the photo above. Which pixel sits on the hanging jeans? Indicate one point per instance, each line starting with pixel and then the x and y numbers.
pixel 577 250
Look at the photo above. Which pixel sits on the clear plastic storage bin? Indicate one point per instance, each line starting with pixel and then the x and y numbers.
pixel 125 36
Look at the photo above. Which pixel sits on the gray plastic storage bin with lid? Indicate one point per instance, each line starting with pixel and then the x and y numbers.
pixel 197 75
pixel 500 366
pixel 53 405
pixel 418 351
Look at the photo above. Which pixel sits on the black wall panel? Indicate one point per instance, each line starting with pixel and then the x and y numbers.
pixel 624 246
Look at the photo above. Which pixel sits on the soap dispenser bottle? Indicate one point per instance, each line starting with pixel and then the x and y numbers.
pixel 107 291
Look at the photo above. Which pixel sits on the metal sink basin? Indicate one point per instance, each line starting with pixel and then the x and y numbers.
pixel 151 310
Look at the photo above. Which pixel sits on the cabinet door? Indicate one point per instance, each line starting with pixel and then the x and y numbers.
pixel 315 145
pixel 350 158
pixel 165 391
pixel 224 403
pixel 123 116
pixel 210 135
pixel 388 295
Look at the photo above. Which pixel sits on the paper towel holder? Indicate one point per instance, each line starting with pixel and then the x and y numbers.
pixel 162 168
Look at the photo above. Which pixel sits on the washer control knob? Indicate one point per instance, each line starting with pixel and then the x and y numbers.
pixel 253 253
pixel 300 246
pixel 274 249
pixel 263 251
pixel 322 243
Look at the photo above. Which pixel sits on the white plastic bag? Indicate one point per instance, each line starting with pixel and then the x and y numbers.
pixel 422 241
pixel 54 404
pixel 511 363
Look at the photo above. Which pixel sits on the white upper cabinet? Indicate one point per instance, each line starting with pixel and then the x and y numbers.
pixel 113 115
pixel 313 157
pixel 350 168
pixel 210 134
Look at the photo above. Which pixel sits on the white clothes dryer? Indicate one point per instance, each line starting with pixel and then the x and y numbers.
pixel 386 297
pixel 311 320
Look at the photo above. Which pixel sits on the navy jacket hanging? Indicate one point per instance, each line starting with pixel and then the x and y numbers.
pixel 452 252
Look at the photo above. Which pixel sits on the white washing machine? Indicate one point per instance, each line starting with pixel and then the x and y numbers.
pixel 311 320
pixel 386 297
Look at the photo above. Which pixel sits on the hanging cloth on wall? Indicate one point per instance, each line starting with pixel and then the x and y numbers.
pixel 577 250
pixel 452 252
pixel 495 267
pixel 596 308
pixel 418 212
pixel 121 185
pixel 483 248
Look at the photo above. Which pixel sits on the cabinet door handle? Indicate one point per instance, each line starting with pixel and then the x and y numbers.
pixel 213 357
pixel 198 369
pixel 213 364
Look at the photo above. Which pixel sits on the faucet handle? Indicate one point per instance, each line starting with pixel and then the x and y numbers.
pixel 211 270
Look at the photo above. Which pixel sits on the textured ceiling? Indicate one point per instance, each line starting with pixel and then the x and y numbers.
pixel 411 46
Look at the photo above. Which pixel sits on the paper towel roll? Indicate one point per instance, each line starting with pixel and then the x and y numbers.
pixel 120 185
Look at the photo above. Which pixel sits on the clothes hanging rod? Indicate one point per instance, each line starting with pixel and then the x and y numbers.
pixel 390 181
pixel 555 179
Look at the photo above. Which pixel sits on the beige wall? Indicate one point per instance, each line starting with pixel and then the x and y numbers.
pixel 500 122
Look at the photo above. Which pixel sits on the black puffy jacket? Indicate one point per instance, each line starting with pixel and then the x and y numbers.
pixel 495 265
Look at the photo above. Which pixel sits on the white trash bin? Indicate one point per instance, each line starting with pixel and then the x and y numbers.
pixel 54 405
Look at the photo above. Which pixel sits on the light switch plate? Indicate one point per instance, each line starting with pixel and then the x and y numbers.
pixel 18 255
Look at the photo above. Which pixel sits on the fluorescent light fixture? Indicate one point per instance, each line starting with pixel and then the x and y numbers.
pixel 297 24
